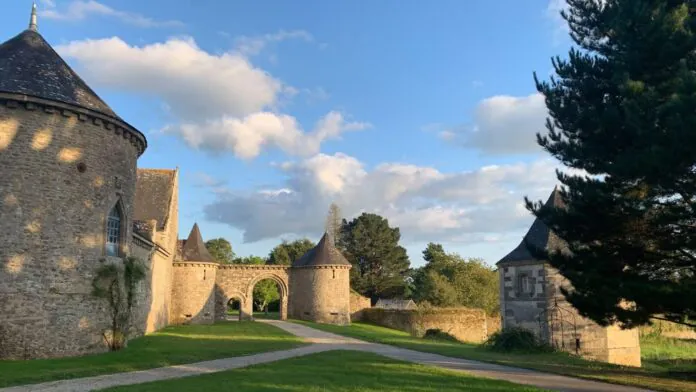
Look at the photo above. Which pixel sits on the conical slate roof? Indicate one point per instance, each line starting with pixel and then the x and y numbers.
pixel 325 253
pixel 538 236
pixel 30 66
pixel 194 249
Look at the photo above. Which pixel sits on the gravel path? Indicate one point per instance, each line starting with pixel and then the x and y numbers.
pixel 325 341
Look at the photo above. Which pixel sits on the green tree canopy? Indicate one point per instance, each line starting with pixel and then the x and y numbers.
pixel 622 109
pixel 287 252
pixel 221 250
pixel 257 260
pixel 380 265
pixel 449 280
pixel 265 292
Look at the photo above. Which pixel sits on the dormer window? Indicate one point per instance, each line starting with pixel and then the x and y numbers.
pixel 113 232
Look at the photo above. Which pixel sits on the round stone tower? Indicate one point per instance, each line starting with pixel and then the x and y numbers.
pixel 320 285
pixel 66 201
pixel 193 283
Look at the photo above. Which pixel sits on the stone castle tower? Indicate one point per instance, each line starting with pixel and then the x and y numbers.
pixel 66 198
pixel 320 289
pixel 193 293
pixel 530 298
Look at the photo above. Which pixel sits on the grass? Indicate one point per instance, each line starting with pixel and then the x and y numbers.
pixel 170 346
pixel 335 371
pixel 257 315
pixel 659 372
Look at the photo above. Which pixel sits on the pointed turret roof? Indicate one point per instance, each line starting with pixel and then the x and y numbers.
pixel 194 249
pixel 29 66
pixel 539 236
pixel 325 253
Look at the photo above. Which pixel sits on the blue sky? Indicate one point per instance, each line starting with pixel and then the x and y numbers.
pixel 424 112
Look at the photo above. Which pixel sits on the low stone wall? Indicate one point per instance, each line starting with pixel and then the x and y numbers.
pixel 358 304
pixel 465 324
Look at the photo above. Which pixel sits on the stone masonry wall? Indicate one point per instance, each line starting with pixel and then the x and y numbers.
pixel 238 281
pixel 193 293
pixel 358 304
pixel 162 266
pixel 62 172
pixel 321 294
pixel 465 324
pixel 546 312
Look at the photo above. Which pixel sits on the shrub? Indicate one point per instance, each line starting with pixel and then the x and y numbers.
pixel 516 339
pixel 438 334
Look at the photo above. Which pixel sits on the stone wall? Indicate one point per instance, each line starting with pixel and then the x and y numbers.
pixel 358 304
pixel 193 293
pixel 321 294
pixel 465 324
pixel 63 170
pixel 162 265
pixel 236 281
pixel 545 311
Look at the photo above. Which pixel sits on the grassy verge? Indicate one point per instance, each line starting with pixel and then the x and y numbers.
pixel 335 371
pixel 170 346
pixel 676 374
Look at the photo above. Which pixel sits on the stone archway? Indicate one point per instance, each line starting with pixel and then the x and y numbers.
pixel 282 290
pixel 238 281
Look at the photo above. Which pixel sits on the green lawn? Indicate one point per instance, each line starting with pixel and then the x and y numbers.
pixel 170 346
pixel 658 372
pixel 335 371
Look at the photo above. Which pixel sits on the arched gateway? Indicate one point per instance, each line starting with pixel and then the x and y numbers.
pixel 315 288
pixel 237 281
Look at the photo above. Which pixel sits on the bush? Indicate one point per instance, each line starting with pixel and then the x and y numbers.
pixel 438 334
pixel 516 339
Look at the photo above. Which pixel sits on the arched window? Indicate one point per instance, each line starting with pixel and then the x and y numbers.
pixel 113 232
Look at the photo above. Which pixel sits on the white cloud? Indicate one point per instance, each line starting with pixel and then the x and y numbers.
pixel 503 125
pixel 254 45
pixel 82 9
pixel 427 204
pixel 222 102
pixel 194 83
pixel 247 136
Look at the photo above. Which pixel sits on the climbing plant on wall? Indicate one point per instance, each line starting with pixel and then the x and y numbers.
pixel 117 283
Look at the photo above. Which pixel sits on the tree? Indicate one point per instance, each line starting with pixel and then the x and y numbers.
pixel 334 222
pixel 118 285
pixel 622 109
pixel 449 280
pixel 287 252
pixel 380 265
pixel 265 292
pixel 221 250
pixel 254 260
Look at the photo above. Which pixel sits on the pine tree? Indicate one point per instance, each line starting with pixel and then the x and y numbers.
pixel 623 109
pixel 334 222
pixel 380 265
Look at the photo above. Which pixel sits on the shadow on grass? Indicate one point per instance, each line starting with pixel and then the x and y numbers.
pixel 170 346
pixel 334 371
pixel 664 375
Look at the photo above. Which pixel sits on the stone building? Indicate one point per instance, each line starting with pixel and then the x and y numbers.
pixel 320 289
pixel 72 199
pixel 530 298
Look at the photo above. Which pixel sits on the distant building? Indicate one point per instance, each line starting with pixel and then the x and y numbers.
pixel 396 304
pixel 530 298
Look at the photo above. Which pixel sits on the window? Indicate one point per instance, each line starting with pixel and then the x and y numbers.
pixel 524 284
pixel 113 232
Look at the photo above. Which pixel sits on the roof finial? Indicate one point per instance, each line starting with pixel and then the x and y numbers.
pixel 32 21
